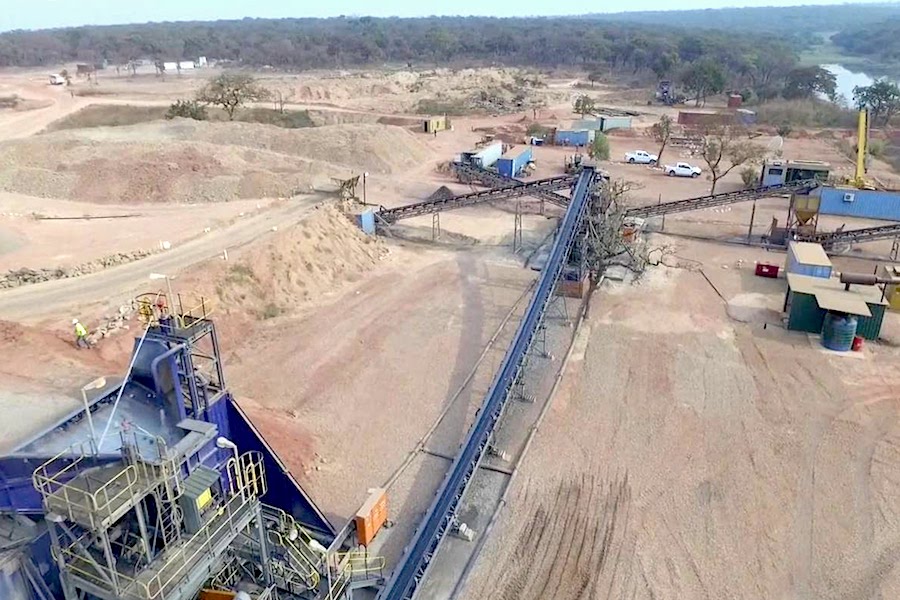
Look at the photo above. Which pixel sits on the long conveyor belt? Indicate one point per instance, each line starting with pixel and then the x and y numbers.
pixel 512 190
pixel 490 178
pixel 713 200
pixel 853 236
pixel 413 565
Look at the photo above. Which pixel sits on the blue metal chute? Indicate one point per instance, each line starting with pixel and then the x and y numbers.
pixel 419 554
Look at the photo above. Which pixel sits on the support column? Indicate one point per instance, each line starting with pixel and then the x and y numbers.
pixel 263 546
pixel 68 589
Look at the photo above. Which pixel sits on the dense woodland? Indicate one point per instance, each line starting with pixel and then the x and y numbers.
pixel 880 42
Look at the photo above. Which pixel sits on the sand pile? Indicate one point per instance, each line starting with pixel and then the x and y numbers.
pixel 191 161
pixel 295 266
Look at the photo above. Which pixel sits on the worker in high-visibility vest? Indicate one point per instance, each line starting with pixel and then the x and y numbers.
pixel 80 335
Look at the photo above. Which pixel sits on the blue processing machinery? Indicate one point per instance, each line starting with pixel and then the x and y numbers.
pixel 160 487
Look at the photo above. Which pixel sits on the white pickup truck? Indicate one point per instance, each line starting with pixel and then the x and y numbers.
pixel 682 169
pixel 641 157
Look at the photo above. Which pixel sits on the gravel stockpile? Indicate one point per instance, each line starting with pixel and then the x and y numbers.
pixel 190 161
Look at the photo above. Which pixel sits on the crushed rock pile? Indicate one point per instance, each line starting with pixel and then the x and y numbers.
pixel 25 276
pixel 296 265
pixel 193 161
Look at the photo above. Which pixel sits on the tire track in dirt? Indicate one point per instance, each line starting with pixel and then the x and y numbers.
pixel 572 542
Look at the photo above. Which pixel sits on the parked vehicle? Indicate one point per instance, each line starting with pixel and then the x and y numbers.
pixel 641 157
pixel 682 169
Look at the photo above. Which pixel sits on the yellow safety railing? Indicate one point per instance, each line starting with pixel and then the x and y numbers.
pixel 61 496
pixel 153 306
pixel 177 561
pixel 246 474
pixel 159 470
pixel 360 562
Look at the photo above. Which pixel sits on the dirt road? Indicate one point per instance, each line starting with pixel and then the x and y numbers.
pixel 34 303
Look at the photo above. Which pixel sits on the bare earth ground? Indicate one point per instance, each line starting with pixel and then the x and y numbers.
pixel 690 455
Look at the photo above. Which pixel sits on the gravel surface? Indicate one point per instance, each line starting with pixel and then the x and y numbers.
pixel 692 456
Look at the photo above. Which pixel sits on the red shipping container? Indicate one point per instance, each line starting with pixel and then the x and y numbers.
pixel 766 270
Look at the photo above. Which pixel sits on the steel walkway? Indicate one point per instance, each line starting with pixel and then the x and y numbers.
pixel 511 190
pixel 418 555
pixel 710 201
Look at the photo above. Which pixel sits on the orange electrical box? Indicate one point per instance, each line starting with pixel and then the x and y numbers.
pixel 216 595
pixel 371 516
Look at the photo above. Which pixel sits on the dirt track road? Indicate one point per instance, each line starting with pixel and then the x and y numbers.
pixel 34 303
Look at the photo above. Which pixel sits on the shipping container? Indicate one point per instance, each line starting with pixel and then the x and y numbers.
pixel 805 258
pixel 371 516
pixel 484 158
pixel 514 161
pixel 701 119
pixel 603 123
pixel 868 204
pixel 581 137
pixel 435 124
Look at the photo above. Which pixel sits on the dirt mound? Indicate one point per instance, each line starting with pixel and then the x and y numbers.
pixel 191 161
pixel 295 266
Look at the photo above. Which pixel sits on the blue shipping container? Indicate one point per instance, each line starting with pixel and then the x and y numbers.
pixel 804 258
pixel 582 137
pixel 851 202
pixel 514 162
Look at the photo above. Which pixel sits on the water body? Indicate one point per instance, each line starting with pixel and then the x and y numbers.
pixel 847 80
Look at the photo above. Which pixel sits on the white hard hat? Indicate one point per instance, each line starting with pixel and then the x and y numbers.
pixel 74 321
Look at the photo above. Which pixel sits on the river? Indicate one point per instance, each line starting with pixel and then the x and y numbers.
pixel 846 80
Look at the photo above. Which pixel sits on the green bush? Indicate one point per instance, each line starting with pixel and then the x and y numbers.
pixel 187 109
pixel 600 147
pixel 805 113
pixel 877 148
pixel 537 130
pixel 750 177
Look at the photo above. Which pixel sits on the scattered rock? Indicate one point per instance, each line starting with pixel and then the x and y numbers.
pixel 26 276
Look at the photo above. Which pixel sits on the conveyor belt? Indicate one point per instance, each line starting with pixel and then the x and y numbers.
pixel 667 208
pixel 416 559
pixel 392 215
pixel 493 179
pixel 854 236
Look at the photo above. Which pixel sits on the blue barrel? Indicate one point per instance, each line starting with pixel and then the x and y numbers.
pixel 838 331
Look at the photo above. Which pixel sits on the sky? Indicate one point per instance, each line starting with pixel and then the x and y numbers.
pixel 41 14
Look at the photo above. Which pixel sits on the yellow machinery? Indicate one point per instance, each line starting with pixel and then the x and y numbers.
pixel 862 150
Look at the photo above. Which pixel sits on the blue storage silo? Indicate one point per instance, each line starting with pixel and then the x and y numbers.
pixel 838 331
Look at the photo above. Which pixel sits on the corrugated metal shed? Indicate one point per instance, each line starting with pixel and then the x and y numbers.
pixel 805 258
pixel 809 298
pixel 851 202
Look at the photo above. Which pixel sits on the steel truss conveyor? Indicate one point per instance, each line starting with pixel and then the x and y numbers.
pixel 710 201
pixel 440 517
pixel 493 179
pixel 512 190
pixel 855 236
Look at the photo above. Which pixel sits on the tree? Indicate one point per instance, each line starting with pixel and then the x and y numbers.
pixel 661 131
pixel 188 109
pixel 599 149
pixel 595 76
pixel 281 98
pixel 805 82
pixel 584 105
pixel 703 78
pixel 882 99
pixel 231 91
pixel 724 149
